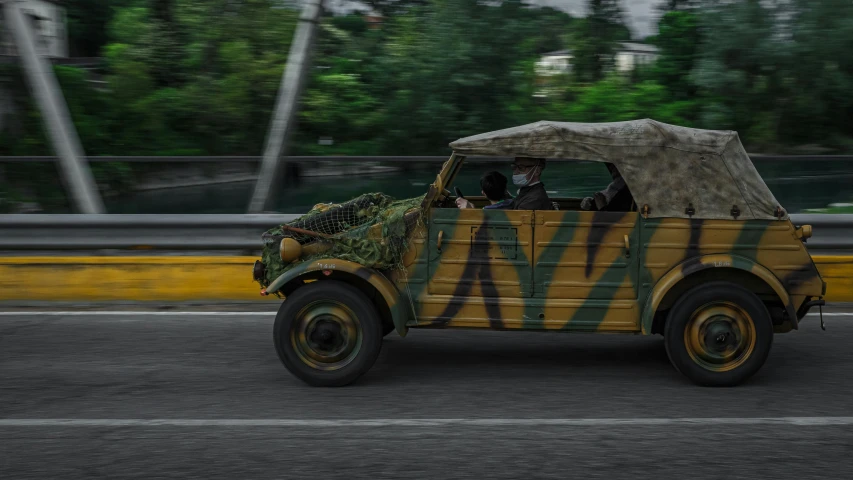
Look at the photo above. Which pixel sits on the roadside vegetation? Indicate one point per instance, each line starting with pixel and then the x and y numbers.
pixel 193 77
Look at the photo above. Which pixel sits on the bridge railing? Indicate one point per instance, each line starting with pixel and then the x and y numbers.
pixel 832 234
pixel 387 158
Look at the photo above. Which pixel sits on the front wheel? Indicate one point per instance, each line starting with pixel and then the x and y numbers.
pixel 718 334
pixel 327 333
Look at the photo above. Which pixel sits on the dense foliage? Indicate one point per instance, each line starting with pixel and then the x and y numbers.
pixel 192 77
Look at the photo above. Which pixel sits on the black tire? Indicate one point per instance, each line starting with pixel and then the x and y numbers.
pixel 718 334
pixel 307 344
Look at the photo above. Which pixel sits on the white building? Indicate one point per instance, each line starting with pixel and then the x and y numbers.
pixel 48 21
pixel 554 63
pixel 631 55
pixel 628 56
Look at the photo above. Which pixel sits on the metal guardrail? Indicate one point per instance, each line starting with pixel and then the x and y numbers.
pixel 832 234
pixel 403 159
pixel 393 159
pixel 135 232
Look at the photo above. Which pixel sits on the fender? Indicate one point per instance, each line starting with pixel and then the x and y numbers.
pixel 389 292
pixel 697 264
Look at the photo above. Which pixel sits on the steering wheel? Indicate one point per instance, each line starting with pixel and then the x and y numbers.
pixel 441 199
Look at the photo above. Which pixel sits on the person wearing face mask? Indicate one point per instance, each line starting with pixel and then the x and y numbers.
pixel 526 172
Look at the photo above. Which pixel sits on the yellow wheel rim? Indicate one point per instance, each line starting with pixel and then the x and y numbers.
pixel 720 336
pixel 326 335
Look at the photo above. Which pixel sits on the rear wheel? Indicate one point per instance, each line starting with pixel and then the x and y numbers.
pixel 718 334
pixel 328 333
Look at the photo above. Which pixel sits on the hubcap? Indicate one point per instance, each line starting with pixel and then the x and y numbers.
pixel 326 335
pixel 720 336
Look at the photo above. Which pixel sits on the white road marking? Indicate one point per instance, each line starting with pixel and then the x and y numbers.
pixel 414 422
pixel 84 313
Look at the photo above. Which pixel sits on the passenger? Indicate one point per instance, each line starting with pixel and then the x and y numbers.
pixel 493 187
pixel 531 195
pixel 616 197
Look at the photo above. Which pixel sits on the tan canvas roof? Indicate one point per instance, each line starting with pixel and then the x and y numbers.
pixel 666 166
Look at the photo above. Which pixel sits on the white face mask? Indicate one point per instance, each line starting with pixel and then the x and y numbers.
pixel 521 179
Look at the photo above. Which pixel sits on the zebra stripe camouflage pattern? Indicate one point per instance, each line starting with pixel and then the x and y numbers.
pixel 590 271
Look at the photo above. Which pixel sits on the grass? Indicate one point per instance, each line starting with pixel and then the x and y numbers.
pixel 832 208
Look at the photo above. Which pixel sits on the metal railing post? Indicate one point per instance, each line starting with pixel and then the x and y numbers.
pixel 42 81
pixel 281 127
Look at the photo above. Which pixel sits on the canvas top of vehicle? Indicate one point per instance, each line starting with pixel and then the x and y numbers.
pixel 666 167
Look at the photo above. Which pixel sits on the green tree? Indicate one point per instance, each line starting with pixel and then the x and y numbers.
pixel 86 21
pixel 593 39
pixel 452 70
pixel 340 100
pixel 673 5
pixel 678 41
pixel 198 77
pixel 395 7
pixel 815 94
pixel 737 76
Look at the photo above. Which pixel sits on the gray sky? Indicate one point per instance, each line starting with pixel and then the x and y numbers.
pixel 640 15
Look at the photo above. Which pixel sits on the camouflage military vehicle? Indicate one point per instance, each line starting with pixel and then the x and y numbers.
pixel 704 256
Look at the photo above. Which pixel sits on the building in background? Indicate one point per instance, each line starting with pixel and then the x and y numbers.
pixel 549 68
pixel 632 55
pixel 554 63
pixel 49 24
pixel 627 57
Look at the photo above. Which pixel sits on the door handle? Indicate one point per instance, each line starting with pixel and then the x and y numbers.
pixel 440 236
pixel 627 247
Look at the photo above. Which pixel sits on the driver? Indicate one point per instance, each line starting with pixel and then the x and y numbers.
pixel 531 194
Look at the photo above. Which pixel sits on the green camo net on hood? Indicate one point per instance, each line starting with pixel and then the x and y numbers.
pixel 348 231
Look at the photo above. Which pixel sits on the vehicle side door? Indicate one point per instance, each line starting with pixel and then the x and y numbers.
pixel 479 265
pixel 586 269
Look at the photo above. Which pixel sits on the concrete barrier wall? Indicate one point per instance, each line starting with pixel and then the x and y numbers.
pixel 214 278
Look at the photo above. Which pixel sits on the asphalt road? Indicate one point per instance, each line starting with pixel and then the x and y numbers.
pixel 504 399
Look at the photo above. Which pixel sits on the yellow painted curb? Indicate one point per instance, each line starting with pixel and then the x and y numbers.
pixel 837 272
pixel 178 278
pixel 185 278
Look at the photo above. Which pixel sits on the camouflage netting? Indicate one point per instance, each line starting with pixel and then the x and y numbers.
pixel 370 230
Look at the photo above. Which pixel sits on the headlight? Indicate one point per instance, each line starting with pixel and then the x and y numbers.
pixel 289 249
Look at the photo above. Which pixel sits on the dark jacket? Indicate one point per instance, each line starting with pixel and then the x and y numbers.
pixel 621 202
pixel 531 198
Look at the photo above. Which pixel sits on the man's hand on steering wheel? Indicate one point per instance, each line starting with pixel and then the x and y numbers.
pixel 462 203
